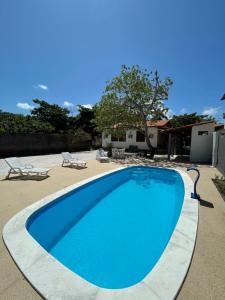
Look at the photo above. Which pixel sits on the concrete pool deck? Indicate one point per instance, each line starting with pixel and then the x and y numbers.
pixel 206 277
pixel 47 161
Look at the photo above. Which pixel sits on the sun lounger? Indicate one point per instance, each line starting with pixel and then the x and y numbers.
pixel 68 159
pixel 102 155
pixel 16 167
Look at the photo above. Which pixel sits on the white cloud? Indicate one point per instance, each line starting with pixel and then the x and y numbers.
pixel 211 111
pixel 41 86
pixel 24 105
pixel 183 110
pixel 87 106
pixel 68 104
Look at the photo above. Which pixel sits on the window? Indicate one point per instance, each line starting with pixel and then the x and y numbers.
pixel 122 138
pixel 114 138
pixel 140 137
pixel 119 138
pixel 203 132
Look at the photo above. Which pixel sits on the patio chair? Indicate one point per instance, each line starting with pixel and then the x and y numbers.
pixel 102 155
pixel 68 159
pixel 118 153
pixel 16 167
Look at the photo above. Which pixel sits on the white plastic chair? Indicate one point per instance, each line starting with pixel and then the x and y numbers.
pixel 16 167
pixel 72 161
pixel 102 155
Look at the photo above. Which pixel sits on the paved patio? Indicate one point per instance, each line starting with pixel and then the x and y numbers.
pixel 206 276
pixel 47 161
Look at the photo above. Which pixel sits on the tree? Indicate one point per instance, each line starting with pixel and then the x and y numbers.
pixel 57 116
pixel 84 119
pixel 11 123
pixel 49 118
pixel 130 100
pixel 186 119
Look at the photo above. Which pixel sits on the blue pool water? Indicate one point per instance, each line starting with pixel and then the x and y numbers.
pixel 113 230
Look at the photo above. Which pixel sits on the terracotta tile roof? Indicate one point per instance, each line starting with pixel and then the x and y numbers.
pixel 186 127
pixel 158 123
pixel 219 126
pixel 203 122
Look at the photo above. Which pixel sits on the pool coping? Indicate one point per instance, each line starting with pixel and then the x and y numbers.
pixel 53 280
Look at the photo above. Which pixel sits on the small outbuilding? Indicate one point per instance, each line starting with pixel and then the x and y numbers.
pixel 196 139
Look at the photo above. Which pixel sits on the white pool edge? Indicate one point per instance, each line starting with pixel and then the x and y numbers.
pixel 55 281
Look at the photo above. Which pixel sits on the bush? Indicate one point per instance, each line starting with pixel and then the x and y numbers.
pixel 82 135
pixel 15 123
pixel 220 184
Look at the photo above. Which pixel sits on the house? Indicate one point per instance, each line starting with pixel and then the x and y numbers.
pixel 201 142
pixel 135 137
pixel 194 140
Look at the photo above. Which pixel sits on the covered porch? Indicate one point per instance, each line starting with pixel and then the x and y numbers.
pixel 178 141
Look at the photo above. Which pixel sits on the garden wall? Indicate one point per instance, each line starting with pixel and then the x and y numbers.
pixel 219 151
pixel 34 144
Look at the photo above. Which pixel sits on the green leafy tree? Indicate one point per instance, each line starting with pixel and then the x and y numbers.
pixel 84 119
pixel 130 100
pixel 11 123
pixel 186 119
pixel 81 134
pixel 57 116
pixel 48 118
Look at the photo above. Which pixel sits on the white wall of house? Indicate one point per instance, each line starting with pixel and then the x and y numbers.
pixel 131 139
pixel 201 143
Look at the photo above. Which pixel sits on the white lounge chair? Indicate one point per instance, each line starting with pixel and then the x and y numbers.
pixel 102 155
pixel 16 167
pixel 72 161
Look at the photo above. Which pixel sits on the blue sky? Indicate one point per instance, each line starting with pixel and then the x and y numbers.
pixel 65 51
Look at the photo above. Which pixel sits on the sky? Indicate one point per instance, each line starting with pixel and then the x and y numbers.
pixel 64 51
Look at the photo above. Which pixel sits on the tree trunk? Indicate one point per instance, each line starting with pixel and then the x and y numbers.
pixel 151 148
pixel 144 118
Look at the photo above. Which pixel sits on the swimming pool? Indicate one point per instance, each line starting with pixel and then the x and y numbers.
pixel 103 225
pixel 111 233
